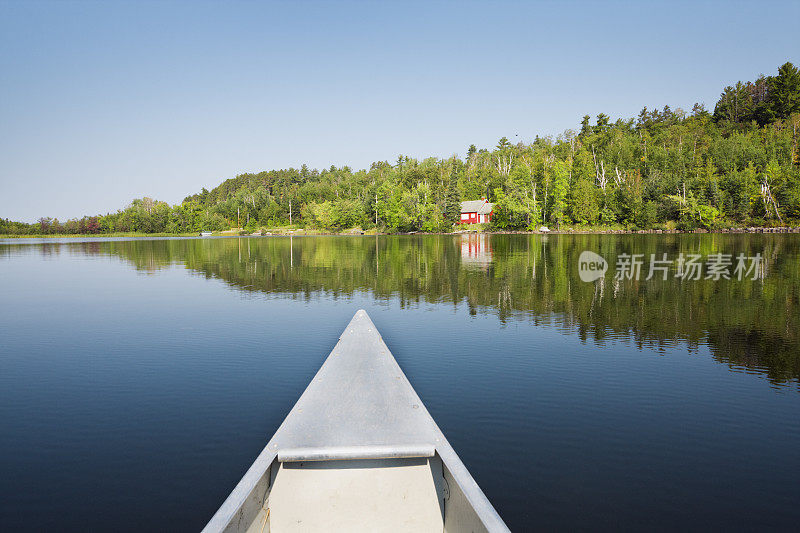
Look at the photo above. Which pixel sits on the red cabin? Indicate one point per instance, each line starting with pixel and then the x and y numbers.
pixel 476 211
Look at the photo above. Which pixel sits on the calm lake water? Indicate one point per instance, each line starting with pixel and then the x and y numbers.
pixel 140 378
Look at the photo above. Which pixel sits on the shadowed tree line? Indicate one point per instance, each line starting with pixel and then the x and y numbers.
pixel 748 324
pixel 739 165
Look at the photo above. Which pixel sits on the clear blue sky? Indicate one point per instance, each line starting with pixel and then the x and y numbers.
pixel 103 102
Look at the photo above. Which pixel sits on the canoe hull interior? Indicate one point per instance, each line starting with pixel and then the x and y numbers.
pixel 406 494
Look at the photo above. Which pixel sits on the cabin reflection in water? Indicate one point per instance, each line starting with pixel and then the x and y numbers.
pixel 476 251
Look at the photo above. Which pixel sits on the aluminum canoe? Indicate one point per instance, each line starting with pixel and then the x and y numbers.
pixel 357 452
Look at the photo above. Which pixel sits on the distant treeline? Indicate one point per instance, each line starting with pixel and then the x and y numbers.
pixel 665 168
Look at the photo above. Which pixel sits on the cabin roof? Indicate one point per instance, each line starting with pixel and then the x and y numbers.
pixel 482 207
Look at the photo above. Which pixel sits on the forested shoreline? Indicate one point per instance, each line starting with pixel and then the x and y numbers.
pixel 665 169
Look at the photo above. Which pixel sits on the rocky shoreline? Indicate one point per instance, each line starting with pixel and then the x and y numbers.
pixel 574 231
pixel 358 232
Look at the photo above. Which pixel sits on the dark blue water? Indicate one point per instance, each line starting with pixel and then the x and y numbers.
pixel 139 379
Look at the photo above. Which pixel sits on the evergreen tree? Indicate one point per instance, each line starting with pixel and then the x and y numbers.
pixel 452 209
pixel 586 129
pixel 784 92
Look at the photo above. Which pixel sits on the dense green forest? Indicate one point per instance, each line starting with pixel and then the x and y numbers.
pixel 739 165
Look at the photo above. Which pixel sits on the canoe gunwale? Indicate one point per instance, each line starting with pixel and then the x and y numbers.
pixel 231 514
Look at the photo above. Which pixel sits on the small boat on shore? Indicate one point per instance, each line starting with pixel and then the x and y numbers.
pixel 205 234
pixel 357 452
